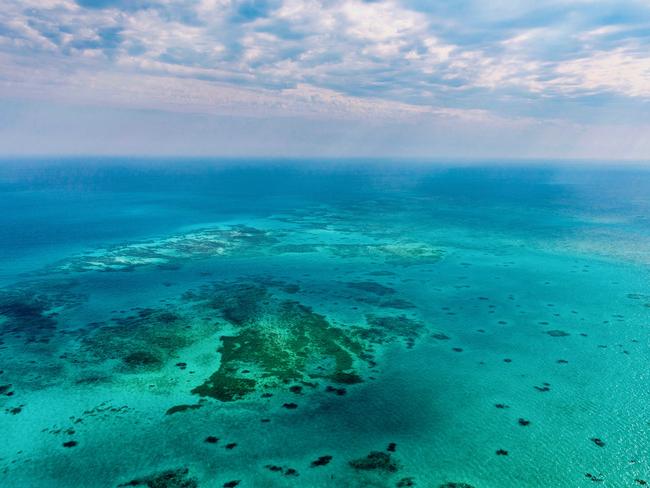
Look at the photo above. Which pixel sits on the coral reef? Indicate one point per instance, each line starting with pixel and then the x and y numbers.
pixel 284 341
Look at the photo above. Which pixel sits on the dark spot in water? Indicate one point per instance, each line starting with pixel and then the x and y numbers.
pixel 457 349
pixel 501 405
pixel 232 445
pixel 641 482
pixel 562 361
pixel 290 406
pixel 543 388
pixel 321 461
pixel 593 478
pixel 375 461
pixel 451 484
pixel 598 442
pixel 507 360
pixel 405 482
pixel 291 472
pixel 182 408
pixel 502 452
pixel 70 444
pixel 211 439
pixel 273 467
pixel 392 447
pixel 173 478
pixel 141 359
pixel 557 333
pixel 440 336
pixel 231 484
pixel 297 389
pixel 337 391
pixel 15 410
pixel 523 422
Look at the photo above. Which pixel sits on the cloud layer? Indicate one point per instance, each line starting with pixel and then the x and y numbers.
pixel 518 64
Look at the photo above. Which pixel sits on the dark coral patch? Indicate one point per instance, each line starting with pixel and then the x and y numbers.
pixel 594 478
pixel 375 461
pixel 142 359
pixel 173 478
pixel 599 442
pixel 557 333
pixel 182 408
pixel 405 482
pixel 321 461
pixel 337 391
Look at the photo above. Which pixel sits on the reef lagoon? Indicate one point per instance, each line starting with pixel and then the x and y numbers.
pixel 188 323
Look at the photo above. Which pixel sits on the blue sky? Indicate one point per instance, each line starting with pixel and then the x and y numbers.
pixel 413 78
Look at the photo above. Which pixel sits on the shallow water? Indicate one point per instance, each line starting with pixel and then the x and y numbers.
pixel 199 323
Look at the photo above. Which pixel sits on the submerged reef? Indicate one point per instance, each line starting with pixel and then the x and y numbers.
pixel 30 310
pixel 144 341
pixel 280 341
pixel 398 254
pixel 171 252
pixel 389 328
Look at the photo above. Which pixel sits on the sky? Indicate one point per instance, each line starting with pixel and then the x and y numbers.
pixel 474 79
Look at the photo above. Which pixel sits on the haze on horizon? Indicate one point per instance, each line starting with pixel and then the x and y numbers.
pixel 326 78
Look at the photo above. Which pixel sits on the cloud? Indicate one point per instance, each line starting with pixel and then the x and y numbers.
pixel 514 60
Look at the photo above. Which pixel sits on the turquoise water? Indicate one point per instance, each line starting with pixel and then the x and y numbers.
pixel 202 323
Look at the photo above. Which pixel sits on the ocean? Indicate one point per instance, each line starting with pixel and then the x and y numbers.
pixel 285 323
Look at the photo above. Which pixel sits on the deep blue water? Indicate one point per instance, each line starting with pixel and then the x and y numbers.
pixel 344 323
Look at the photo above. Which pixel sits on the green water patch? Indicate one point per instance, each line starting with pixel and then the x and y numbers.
pixel 275 342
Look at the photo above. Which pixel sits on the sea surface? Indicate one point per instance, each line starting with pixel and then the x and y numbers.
pixel 199 323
